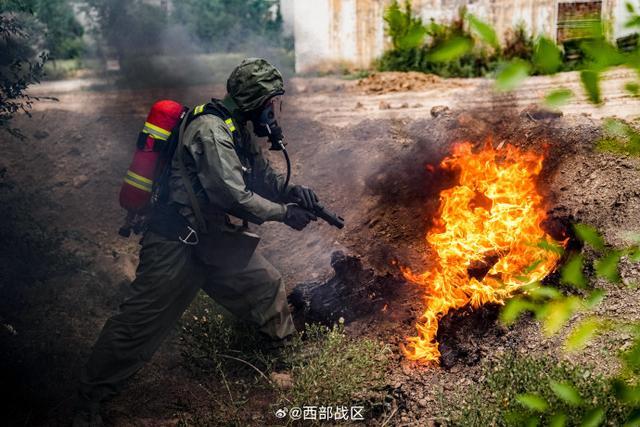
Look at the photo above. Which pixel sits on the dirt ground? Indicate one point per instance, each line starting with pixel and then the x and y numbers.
pixel 364 152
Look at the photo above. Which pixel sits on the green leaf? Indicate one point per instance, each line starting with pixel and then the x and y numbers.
pixel 557 98
pixel 557 315
pixel 582 333
pixel 607 267
pixel 635 255
pixel 414 37
pixel 541 292
pixel 512 74
pixel 571 272
pixel 483 30
pixel 625 392
pixel 630 7
pixel 594 298
pixel 547 56
pixel 590 235
pixel 533 402
pixel 513 309
pixel 631 357
pixel 550 247
pixel 591 82
pixel 593 418
pixel 451 49
pixel 566 392
pixel 558 420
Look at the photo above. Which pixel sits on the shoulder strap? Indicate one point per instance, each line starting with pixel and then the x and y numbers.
pixel 195 205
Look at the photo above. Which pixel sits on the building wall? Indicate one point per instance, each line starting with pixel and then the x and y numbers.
pixel 332 33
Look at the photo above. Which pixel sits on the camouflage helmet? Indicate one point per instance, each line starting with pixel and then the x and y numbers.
pixel 253 82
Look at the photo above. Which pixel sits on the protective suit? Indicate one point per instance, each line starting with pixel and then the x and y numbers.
pixel 229 176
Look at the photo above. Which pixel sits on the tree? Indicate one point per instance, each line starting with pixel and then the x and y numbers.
pixel 63 32
pixel 228 25
pixel 21 64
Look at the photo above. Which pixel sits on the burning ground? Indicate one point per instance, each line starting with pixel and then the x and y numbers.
pixel 366 155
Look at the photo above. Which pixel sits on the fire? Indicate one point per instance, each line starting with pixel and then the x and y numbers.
pixel 484 238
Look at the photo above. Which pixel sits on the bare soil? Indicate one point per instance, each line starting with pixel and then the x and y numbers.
pixel 63 264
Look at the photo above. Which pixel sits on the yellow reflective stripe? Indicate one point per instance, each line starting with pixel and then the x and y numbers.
pixel 139 177
pixel 137 185
pixel 229 123
pixel 199 109
pixel 156 131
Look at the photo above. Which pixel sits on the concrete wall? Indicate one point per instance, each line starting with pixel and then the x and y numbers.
pixel 334 33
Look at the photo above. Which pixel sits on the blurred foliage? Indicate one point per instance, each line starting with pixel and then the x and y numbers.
pixel 62 33
pixel 523 390
pixel 554 310
pixel 21 64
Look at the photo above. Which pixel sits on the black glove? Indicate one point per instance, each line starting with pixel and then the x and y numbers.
pixel 303 196
pixel 298 218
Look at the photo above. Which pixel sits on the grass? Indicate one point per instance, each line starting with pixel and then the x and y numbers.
pixel 328 367
pixel 332 369
pixel 496 401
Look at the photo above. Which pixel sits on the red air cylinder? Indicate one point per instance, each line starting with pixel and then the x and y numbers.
pixel 137 188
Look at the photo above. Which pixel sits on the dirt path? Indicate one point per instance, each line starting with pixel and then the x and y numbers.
pixel 365 154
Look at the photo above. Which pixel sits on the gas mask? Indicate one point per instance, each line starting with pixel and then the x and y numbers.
pixel 265 123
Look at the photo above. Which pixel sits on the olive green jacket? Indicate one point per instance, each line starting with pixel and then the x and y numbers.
pixel 226 178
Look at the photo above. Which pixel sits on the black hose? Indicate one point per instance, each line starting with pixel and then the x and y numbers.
pixel 286 157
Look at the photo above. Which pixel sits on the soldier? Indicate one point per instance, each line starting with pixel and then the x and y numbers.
pixel 218 170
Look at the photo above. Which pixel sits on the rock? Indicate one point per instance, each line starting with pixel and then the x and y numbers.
pixel 537 112
pixel 384 105
pixel 282 380
pixel 440 110
pixel 80 181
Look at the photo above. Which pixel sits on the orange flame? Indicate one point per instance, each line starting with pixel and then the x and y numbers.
pixel 491 219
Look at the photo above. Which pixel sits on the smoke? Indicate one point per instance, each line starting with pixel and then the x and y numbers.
pixel 154 49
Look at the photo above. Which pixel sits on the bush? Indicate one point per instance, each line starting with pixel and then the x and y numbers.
pixel 411 53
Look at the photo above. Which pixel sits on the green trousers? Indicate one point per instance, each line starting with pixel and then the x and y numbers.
pixel 167 280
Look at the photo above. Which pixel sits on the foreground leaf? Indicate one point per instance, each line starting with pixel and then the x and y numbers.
pixel 581 334
pixel 590 235
pixel 571 272
pixel 558 97
pixel 512 74
pixel 607 267
pixel 558 420
pixel 513 309
pixel 533 402
pixel 451 49
pixel 547 56
pixel 593 418
pixel 566 392
pixel 483 30
pixel 591 83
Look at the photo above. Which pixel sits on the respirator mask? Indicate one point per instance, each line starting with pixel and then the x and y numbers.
pixel 265 123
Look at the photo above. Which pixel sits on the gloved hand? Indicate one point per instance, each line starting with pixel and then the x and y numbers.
pixel 303 196
pixel 298 218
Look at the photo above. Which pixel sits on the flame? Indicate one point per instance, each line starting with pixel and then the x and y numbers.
pixel 489 221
